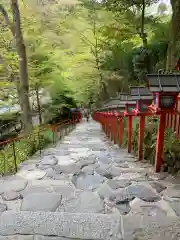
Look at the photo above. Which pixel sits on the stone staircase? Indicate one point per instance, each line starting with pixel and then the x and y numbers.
pixel 87 188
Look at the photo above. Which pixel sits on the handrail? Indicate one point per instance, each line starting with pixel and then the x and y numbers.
pixel 9 162
pixel 61 123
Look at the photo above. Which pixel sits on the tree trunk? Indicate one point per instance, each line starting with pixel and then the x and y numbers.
pixel 20 103
pixel 38 105
pixel 143 34
pixel 174 36
pixel 24 81
pixel 103 90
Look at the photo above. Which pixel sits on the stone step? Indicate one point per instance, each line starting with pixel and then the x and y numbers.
pixel 68 225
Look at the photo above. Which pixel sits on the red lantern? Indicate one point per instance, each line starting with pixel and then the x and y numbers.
pixel 165 89
pixel 143 98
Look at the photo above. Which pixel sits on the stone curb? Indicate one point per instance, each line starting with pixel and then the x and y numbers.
pixel 70 225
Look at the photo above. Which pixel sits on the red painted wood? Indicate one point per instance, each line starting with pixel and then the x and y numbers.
pixel 167 119
pixel 178 118
pixel 112 127
pixel 160 142
pixel 120 131
pixel 115 129
pixel 108 126
pixel 177 126
pixel 174 122
pixel 129 134
pixel 141 137
pixel 106 123
pixel 171 123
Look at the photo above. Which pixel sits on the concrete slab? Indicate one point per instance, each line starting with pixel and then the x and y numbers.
pixel 76 225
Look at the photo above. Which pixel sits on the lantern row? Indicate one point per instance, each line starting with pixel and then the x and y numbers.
pixel 160 95
pixel 158 98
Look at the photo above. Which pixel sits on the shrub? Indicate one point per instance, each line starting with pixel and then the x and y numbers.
pixel 171 154
pixel 24 148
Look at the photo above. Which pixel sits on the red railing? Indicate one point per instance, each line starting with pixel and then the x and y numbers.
pixel 15 150
pixel 173 121
pixel 114 128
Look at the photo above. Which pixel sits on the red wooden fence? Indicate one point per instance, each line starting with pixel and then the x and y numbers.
pixel 108 121
pixel 58 130
pixel 173 121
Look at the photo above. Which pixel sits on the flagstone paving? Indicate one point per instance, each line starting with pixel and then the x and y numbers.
pixel 87 188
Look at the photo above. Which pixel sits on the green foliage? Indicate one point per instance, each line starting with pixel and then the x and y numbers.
pixel 10 116
pixel 61 97
pixel 85 49
pixel 126 56
pixel 26 147
pixel 162 8
pixel 124 4
pixel 81 52
pixel 171 144
pixel 124 143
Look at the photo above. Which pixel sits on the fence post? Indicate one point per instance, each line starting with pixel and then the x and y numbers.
pixel 178 126
pixel 160 142
pixel 115 129
pixel 109 125
pixel 112 128
pixel 175 121
pixel 106 123
pixel 14 154
pixel 129 134
pixel 120 131
pixel 141 137
pixel 167 120
pixel 171 121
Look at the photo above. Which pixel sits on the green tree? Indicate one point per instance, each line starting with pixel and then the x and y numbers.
pixel 23 86
pixel 162 8
pixel 174 34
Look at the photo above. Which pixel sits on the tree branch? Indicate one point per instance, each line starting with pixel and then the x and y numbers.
pixel 7 20
pixel 85 38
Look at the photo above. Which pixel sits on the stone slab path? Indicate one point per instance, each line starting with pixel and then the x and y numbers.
pixel 87 188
